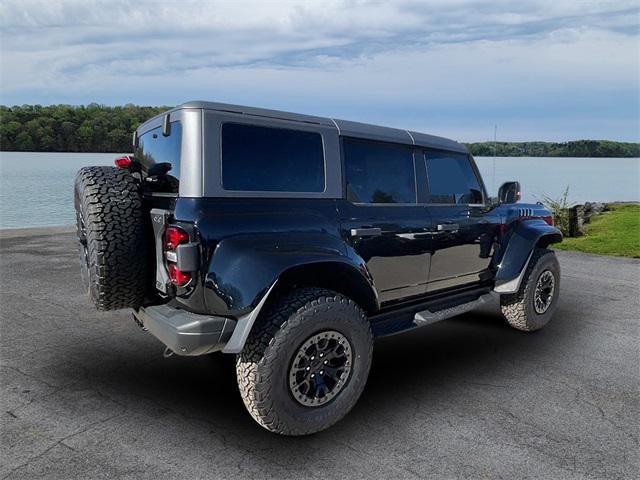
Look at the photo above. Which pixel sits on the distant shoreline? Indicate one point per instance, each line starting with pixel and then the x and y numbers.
pixel 572 149
pixel 98 128
pixel 498 155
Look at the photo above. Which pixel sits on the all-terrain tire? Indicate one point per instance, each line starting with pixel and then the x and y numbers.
pixel 111 229
pixel 263 366
pixel 519 309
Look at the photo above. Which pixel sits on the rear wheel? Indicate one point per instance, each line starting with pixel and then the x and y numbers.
pixel 306 363
pixel 533 306
pixel 110 226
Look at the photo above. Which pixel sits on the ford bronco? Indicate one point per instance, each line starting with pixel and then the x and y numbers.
pixel 293 241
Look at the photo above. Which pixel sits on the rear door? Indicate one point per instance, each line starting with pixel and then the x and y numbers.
pixel 381 218
pixel 462 233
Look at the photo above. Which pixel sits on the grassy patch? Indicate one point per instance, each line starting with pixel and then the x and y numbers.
pixel 611 233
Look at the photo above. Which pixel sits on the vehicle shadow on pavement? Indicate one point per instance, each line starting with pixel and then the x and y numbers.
pixel 413 366
pixel 122 401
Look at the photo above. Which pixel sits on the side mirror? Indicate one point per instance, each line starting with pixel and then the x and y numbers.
pixel 509 192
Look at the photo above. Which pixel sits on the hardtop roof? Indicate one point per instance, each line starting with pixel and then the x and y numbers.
pixel 345 127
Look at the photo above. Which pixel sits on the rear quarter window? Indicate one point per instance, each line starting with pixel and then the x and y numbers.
pixel 267 159
pixel 160 157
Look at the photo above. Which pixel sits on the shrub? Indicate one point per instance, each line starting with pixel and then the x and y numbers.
pixel 560 210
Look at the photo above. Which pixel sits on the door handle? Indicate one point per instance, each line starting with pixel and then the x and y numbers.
pixel 366 232
pixel 448 227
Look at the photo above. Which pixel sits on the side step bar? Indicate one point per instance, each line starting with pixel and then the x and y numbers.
pixel 431 311
pixel 427 317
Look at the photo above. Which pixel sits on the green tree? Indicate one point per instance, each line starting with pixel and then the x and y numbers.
pixel 100 128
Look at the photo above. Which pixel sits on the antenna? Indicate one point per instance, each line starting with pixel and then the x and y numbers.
pixel 495 137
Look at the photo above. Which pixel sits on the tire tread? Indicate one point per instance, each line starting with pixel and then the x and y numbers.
pixel 110 202
pixel 514 306
pixel 254 365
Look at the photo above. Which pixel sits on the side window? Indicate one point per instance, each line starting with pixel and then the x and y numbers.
pixel 378 172
pixel 265 159
pixel 451 178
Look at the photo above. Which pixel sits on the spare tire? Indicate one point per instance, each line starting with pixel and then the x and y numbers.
pixel 111 232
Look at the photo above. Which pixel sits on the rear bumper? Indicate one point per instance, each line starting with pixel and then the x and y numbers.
pixel 186 333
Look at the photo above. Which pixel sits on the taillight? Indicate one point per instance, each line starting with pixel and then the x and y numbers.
pixel 548 219
pixel 174 236
pixel 123 162
pixel 177 276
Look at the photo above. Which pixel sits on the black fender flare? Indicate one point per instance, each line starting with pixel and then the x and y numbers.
pixel 242 268
pixel 244 271
pixel 526 236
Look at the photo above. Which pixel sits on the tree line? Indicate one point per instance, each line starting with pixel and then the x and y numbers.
pixel 577 148
pixel 67 128
pixel 100 128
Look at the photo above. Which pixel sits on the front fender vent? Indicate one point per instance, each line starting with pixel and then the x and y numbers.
pixel 525 212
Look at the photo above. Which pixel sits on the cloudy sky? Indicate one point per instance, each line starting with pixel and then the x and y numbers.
pixel 547 70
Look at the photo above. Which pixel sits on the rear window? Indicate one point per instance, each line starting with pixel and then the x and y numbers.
pixel 264 159
pixel 452 179
pixel 379 172
pixel 159 154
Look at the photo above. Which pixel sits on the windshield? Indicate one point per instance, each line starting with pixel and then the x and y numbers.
pixel 160 158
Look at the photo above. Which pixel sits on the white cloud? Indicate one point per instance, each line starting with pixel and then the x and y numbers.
pixel 413 63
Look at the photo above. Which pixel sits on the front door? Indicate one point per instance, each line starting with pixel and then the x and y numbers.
pixel 382 220
pixel 461 231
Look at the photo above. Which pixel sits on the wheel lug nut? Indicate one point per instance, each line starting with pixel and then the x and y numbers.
pixel 313 375
pixel 313 358
pixel 321 372
pixel 321 355
pixel 325 362
pixel 308 368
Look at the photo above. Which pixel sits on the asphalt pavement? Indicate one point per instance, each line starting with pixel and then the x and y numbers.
pixel 87 394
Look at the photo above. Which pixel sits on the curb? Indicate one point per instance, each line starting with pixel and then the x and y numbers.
pixel 35 232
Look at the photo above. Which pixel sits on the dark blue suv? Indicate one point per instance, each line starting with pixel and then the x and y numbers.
pixel 293 241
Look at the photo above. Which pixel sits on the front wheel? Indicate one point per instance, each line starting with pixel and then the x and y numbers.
pixel 306 363
pixel 533 306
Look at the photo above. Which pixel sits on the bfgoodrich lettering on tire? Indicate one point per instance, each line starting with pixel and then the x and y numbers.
pixel 306 363
pixel 113 255
pixel 533 306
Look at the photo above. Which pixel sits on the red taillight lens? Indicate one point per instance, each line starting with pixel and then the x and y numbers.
pixel 123 162
pixel 174 236
pixel 177 276
pixel 548 219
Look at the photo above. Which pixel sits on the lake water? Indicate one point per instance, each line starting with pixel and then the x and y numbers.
pixel 36 189
pixel 588 179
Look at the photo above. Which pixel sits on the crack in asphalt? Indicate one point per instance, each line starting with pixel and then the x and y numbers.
pixel 59 442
